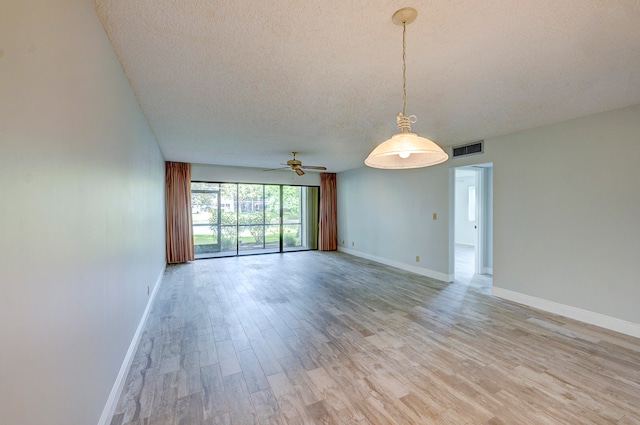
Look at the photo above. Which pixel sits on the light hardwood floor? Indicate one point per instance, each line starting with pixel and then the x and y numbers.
pixel 465 270
pixel 327 338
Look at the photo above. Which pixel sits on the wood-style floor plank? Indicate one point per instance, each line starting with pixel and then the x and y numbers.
pixel 327 338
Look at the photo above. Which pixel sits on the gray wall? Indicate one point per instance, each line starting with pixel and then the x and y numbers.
pixel 81 213
pixel 565 207
pixel 387 215
pixel 566 213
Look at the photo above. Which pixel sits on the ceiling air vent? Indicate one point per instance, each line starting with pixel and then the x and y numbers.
pixel 470 149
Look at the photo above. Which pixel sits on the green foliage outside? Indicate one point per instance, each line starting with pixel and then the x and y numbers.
pixel 289 239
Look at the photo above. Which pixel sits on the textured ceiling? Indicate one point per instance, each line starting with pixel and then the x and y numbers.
pixel 246 82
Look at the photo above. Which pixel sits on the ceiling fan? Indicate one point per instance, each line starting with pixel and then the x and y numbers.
pixel 296 166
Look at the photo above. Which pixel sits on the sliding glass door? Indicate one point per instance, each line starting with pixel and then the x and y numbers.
pixel 240 219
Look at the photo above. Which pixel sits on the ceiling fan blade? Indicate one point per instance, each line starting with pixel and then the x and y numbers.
pixel 296 166
pixel 276 169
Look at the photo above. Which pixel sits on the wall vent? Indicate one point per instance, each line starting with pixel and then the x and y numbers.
pixel 470 149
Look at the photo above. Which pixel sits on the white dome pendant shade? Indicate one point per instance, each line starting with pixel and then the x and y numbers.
pixel 405 149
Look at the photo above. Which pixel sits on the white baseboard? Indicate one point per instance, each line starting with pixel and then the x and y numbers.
pixel 413 269
pixel 487 270
pixel 118 386
pixel 607 322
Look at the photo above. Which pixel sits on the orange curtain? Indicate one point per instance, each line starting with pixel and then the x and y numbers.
pixel 328 228
pixel 179 231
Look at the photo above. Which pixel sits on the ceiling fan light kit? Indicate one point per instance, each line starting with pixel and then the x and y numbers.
pixel 405 149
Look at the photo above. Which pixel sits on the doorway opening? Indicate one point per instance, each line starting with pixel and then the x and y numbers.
pixel 472 249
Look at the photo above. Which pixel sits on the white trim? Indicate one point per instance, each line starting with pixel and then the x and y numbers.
pixel 487 270
pixel 607 322
pixel 118 386
pixel 413 269
pixel 480 219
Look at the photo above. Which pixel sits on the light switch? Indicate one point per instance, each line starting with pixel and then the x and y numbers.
pixel 435 216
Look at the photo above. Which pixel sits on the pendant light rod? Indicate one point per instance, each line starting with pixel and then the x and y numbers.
pixel 403 17
pixel 404 68
pixel 402 120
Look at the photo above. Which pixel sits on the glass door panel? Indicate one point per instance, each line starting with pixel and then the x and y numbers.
pixel 228 219
pixel 291 217
pixel 300 218
pixel 205 199
pixel 250 217
pixel 259 207
pixel 272 217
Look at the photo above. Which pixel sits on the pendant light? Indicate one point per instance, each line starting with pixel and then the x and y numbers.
pixel 405 149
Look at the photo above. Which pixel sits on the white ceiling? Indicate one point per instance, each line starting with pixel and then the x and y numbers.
pixel 245 82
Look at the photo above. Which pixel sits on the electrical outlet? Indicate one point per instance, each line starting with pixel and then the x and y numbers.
pixel 148 290
pixel 417 258
pixel 343 242
pixel 353 244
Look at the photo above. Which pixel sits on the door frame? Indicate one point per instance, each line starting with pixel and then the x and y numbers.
pixel 483 217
